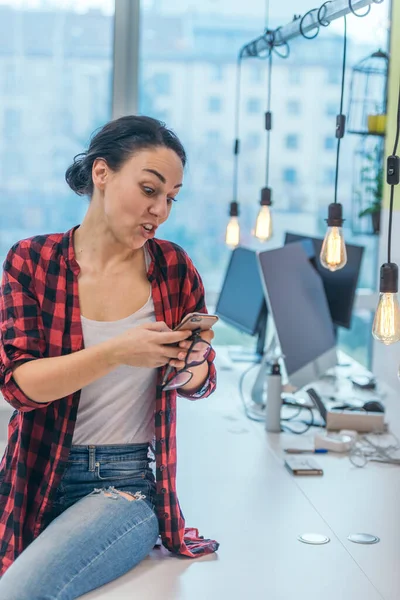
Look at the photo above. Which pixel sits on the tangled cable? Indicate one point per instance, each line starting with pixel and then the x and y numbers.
pixel 262 46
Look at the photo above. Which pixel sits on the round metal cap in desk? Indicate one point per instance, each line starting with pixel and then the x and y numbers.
pixel 315 539
pixel 363 538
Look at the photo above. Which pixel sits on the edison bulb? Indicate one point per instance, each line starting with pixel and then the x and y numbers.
pixel 232 233
pixel 333 252
pixel 386 327
pixel 263 230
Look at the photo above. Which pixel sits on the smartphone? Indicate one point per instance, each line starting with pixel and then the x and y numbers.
pixel 303 466
pixel 195 321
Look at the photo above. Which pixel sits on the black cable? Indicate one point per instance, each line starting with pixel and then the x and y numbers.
pixel 319 19
pixel 278 44
pixel 237 118
pixel 269 111
pixel 396 143
pixel 266 14
pixel 358 14
pixel 341 106
pixel 309 37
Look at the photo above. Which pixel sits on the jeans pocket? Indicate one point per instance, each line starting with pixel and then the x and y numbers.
pixel 120 470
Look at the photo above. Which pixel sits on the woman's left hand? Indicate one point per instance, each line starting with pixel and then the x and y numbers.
pixel 207 336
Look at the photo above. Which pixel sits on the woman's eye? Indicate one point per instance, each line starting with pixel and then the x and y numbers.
pixel 172 199
pixel 148 190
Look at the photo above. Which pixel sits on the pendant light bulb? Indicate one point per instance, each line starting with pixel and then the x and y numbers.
pixel 232 237
pixel 263 228
pixel 386 326
pixel 333 252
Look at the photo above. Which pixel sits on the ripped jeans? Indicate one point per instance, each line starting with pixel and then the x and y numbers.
pixel 102 524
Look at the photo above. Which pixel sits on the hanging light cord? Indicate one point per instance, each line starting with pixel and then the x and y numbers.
pixel 341 105
pixel 392 186
pixel 237 118
pixel 269 111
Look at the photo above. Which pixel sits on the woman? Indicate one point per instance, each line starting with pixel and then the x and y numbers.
pixel 86 320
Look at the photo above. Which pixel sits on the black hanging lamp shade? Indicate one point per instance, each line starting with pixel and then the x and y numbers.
pixel 368 95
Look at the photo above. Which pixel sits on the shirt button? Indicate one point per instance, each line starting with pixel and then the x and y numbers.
pixel 162 468
pixel 166 515
pixel 160 413
pixel 162 441
pixel 163 490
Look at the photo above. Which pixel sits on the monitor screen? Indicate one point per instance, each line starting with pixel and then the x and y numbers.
pixel 298 306
pixel 241 302
pixel 340 286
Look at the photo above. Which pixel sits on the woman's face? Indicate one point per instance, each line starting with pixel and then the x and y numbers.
pixel 138 198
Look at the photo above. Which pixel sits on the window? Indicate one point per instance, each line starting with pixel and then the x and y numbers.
pixel 214 104
pixel 253 141
pixel 12 123
pixel 193 44
pixel 212 172
pixel 332 109
pixel 162 83
pixel 334 76
pixel 293 107
pixel 216 73
pixel 329 176
pixel 256 73
pixel 213 136
pixel 46 119
pixel 295 76
pixel 290 175
pixel 292 141
pixel 254 106
pixel 330 143
pixel 9 82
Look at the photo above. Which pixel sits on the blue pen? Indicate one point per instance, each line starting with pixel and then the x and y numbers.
pixel 300 451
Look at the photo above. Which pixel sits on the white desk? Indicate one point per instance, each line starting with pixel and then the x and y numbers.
pixel 233 486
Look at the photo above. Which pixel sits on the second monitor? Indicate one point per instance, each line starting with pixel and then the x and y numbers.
pixel 340 286
pixel 241 302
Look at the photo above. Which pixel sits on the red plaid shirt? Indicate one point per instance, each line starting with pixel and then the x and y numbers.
pixel 40 317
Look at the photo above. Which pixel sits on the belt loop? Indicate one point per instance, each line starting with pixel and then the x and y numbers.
pixel 92 457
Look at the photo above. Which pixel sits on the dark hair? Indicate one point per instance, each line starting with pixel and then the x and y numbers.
pixel 116 142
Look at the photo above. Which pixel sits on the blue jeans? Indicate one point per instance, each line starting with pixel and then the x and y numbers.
pixel 102 524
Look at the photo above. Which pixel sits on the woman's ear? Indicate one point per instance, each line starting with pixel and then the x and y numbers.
pixel 100 173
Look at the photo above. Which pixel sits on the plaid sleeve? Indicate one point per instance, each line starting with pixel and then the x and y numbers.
pixel 21 327
pixel 193 301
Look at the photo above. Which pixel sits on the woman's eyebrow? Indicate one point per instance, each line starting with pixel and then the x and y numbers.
pixel 161 177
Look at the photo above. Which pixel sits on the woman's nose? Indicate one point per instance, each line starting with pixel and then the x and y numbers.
pixel 160 208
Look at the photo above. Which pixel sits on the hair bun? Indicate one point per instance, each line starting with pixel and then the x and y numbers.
pixel 78 175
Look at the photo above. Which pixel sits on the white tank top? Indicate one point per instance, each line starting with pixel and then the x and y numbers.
pixel 119 407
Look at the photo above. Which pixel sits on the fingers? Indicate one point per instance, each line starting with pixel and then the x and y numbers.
pixel 157 326
pixel 175 353
pixel 177 364
pixel 173 337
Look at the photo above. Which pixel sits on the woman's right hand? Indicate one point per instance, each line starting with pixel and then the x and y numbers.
pixel 148 345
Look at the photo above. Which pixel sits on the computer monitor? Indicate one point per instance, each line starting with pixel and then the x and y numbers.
pixel 241 302
pixel 340 286
pixel 299 309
